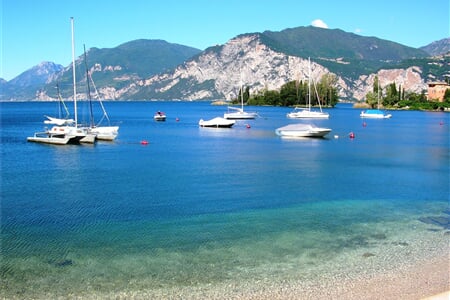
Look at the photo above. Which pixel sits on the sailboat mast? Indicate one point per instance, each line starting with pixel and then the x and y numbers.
pixel 309 84
pixel 74 75
pixel 91 119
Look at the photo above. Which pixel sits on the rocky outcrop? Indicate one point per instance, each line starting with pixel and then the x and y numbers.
pixel 219 72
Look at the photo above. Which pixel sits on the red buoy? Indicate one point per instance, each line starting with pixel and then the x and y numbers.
pixel 364 124
pixel 247 125
pixel 351 135
pixel 144 142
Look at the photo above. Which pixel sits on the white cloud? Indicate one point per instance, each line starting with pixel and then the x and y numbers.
pixel 358 30
pixel 319 23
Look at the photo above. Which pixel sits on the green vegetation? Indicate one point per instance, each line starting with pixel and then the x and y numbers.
pixel 295 93
pixel 397 98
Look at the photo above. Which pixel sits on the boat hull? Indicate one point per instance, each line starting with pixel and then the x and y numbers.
pixel 297 130
pixel 308 114
pixel 374 114
pixel 217 123
pixel 105 133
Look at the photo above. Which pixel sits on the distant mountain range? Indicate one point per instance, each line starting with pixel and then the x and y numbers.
pixel 155 69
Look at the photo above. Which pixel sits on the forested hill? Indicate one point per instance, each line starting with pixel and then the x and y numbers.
pixel 344 53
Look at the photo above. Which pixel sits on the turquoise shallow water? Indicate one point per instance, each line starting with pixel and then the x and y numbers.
pixel 205 206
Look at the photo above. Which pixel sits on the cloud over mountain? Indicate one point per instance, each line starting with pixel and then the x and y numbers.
pixel 319 23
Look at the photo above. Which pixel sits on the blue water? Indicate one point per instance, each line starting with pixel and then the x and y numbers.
pixel 199 205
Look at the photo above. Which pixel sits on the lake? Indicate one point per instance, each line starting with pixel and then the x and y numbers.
pixel 205 207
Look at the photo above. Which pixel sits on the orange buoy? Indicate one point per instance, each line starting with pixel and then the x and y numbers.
pixel 351 135
pixel 144 142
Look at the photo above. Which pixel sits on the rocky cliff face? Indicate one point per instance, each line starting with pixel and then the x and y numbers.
pixel 219 72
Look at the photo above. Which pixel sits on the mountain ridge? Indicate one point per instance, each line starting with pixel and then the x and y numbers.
pixel 140 69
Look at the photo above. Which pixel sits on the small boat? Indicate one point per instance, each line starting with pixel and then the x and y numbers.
pixel 239 114
pixel 306 112
pixel 217 122
pixel 374 114
pixel 302 130
pixel 159 116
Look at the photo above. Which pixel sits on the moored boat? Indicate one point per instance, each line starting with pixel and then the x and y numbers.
pixel 217 122
pixel 302 130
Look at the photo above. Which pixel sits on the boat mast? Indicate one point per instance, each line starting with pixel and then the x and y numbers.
pixel 74 74
pixel 309 84
pixel 91 119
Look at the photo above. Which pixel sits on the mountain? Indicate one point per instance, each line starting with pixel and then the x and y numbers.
pixel 438 47
pixel 155 69
pixel 270 59
pixel 30 81
pixel 113 68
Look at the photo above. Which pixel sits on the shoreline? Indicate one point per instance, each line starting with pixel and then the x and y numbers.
pixel 421 280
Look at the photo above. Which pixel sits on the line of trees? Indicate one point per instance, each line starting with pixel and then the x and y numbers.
pixel 393 97
pixel 295 93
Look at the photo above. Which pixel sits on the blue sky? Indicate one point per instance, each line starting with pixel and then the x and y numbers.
pixel 33 31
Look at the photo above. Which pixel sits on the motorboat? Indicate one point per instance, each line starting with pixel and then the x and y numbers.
pixel 302 130
pixel 217 122
pixel 374 114
pixel 159 116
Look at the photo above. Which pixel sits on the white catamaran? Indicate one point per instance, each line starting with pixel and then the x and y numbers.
pixel 65 131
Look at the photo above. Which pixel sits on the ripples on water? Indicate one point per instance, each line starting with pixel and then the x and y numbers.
pixel 201 205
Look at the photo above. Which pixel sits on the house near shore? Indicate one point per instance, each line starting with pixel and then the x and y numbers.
pixel 436 91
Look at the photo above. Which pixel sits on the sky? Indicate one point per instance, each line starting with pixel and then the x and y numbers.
pixel 33 31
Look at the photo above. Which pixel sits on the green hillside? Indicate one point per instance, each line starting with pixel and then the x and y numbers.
pixel 124 64
pixel 346 54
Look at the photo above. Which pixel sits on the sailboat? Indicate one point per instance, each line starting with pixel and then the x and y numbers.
pixel 65 132
pixel 60 120
pixel 375 113
pixel 106 133
pixel 307 113
pixel 238 112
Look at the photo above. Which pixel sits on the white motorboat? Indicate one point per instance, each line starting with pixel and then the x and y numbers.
pixel 159 116
pixel 374 114
pixel 217 122
pixel 302 130
pixel 306 112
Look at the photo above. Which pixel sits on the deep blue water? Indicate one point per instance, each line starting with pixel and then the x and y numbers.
pixel 163 212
